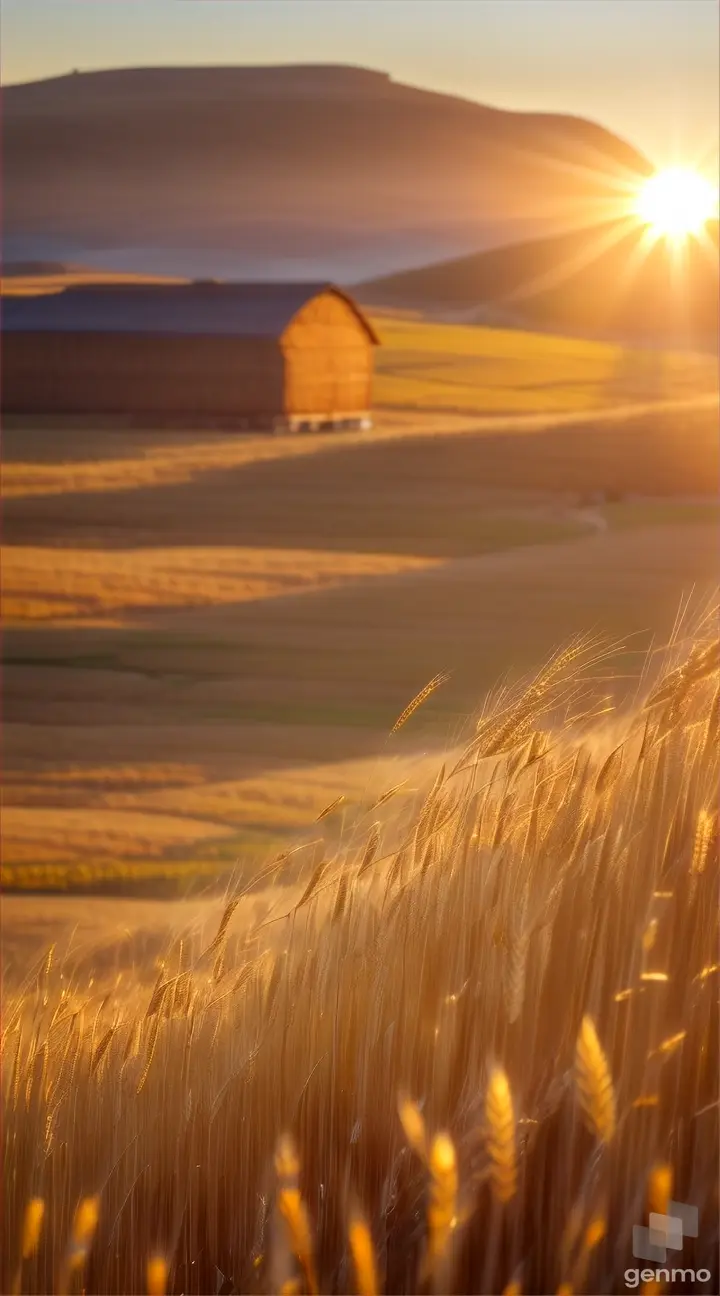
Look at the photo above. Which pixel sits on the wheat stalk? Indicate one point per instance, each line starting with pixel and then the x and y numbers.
pixel 669 1044
pixel 594 1082
pixel 83 1230
pixel 363 1254
pixel 318 874
pixel 594 1234
pixel 158 995
pixel 391 792
pixel 703 837
pixel 660 1186
pixel 515 964
pixel 418 700
pixel 101 1049
pixel 228 912
pixel 334 805
pixel 156 1276
pixel 442 1204
pixel 31 1230
pixel 371 847
pixel 413 1126
pixel 650 935
pixel 293 1210
pixel 150 1053
pixel 609 772
pixel 500 1123
pixel 341 899
pixel 32 1226
pixel 219 968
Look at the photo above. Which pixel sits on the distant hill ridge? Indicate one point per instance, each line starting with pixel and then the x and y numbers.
pixel 249 165
pixel 602 280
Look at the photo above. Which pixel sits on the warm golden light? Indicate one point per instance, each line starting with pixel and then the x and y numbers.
pixel 676 202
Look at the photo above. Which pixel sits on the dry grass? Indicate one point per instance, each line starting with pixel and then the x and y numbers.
pixel 85 586
pixel 242 1117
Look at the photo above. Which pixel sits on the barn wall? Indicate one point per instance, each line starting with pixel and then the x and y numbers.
pixel 132 374
pixel 328 360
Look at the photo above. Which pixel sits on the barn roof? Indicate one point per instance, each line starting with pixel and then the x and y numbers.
pixel 259 310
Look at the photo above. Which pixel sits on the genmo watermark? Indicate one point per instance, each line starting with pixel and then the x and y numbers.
pixel 665 1233
pixel 633 1277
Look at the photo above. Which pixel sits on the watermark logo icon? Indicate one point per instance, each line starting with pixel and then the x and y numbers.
pixel 665 1232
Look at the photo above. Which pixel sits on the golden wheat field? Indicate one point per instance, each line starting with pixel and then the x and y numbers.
pixel 426 365
pixel 207 635
pixel 97 587
pixel 464 1046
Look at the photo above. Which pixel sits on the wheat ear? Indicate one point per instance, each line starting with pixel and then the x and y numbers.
pixel 391 792
pixel 500 1119
pixel 442 1206
pixel 418 700
pixel 334 805
pixel 101 1049
pixel 83 1231
pixel 230 908
pixel 368 856
pixel 363 1254
pixel 293 1210
pixel 32 1227
pixel 156 1276
pixel 703 837
pixel 659 1189
pixel 413 1126
pixel 594 1082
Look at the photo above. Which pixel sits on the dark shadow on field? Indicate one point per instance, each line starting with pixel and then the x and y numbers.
pixel 423 496
pixel 322 676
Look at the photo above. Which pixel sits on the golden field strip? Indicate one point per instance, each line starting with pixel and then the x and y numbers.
pixel 435 366
pixel 101 588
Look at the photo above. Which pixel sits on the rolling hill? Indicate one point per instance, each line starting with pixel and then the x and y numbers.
pixel 268 171
pixel 605 280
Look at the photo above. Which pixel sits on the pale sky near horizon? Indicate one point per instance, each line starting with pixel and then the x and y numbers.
pixel 647 69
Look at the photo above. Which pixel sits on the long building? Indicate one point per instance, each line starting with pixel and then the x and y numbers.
pixel 297 355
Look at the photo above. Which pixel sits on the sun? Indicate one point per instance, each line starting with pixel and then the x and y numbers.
pixel 676 203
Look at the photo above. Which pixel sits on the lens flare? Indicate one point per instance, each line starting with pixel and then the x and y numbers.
pixel 676 203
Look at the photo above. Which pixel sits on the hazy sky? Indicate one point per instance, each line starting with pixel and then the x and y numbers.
pixel 648 69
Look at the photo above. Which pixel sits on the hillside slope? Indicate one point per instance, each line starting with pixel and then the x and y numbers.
pixel 282 169
pixel 607 279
